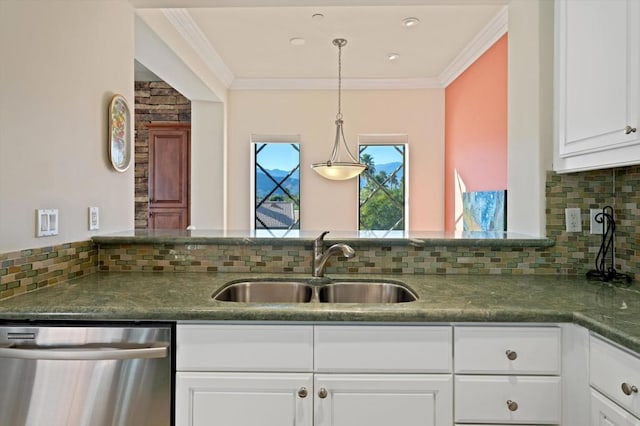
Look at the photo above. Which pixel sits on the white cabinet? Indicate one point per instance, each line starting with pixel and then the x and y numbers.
pixel 382 399
pixel 278 375
pixel 614 374
pixel 606 413
pixel 244 399
pixel 507 375
pixel 597 90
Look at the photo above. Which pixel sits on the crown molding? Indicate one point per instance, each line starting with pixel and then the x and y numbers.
pixel 191 32
pixel 331 84
pixel 495 29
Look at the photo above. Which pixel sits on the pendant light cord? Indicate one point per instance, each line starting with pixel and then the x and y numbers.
pixel 339 115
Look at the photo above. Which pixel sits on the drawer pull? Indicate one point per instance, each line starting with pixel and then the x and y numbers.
pixel 512 355
pixel 512 405
pixel 322 393
pixel 628 389
pixel 629 129
pixel 302 392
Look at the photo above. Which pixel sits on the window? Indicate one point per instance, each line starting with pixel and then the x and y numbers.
pixel 276 188
pixel 382 189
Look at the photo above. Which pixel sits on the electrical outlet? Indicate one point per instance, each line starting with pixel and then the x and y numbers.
pixel 595 227
pixel 573 222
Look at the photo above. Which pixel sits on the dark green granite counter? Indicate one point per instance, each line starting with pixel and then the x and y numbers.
pixel 611 312
pixel 305 238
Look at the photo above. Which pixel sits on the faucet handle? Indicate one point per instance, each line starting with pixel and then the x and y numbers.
pixel 321 237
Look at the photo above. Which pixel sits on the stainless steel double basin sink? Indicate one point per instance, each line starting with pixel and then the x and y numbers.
pixel 314 291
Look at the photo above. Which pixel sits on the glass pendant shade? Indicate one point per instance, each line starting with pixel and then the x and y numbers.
pixel 335 169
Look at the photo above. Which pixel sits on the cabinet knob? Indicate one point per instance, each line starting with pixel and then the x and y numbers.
pixel 629 129
pixel 511 354
pixel 302 392
pixel 512 405
pixel 628 389
pixel 322 393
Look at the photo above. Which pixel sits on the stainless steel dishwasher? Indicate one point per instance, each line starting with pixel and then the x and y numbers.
pixel 85 376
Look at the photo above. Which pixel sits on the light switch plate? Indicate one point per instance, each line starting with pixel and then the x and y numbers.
pixel 94 218
pixel 47 222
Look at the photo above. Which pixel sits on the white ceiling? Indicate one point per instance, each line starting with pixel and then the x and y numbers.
pixel 249 46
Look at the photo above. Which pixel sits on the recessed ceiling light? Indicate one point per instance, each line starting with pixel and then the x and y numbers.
pixel 393 56
pixel 297 41
pixel 410 22
pixel 317 16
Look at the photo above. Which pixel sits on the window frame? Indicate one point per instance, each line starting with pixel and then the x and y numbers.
pixel 386 140
pixel 259 139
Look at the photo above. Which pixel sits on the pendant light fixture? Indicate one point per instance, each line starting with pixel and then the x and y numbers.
pixel 335 169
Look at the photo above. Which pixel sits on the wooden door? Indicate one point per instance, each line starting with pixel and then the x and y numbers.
pixel 169 174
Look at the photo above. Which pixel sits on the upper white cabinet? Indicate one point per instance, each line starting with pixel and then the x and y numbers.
pixel 597 90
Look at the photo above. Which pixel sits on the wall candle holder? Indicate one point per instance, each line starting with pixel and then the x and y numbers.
pixel 607 250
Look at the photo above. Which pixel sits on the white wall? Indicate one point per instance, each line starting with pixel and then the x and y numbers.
pixel 207 165
pixel 530 113
pixel 61 63
pixel 311 113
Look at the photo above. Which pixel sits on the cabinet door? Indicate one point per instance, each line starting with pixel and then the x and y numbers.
pixel 605 413
pixel 244 399
pixel 597 90
pixel 383 400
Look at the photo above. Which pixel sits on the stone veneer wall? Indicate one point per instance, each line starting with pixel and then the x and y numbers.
pixel 155 102
pixel 31 269
pixel 573 253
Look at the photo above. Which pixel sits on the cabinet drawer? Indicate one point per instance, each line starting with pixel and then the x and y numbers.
pixel 483 399
pixel 244 348
pixel 398 349
pixel 606 412
pixel 610 368
pixel 507 350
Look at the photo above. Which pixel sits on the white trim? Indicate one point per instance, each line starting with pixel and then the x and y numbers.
pixel 332 84
pixel 495 29
pixel 191 32
pixel 271 138
pixel 383 139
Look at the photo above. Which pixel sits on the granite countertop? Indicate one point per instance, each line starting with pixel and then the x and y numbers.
pixel 306 238
pixel 613 312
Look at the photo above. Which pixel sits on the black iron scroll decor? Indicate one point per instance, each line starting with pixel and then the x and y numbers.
pixel 607 251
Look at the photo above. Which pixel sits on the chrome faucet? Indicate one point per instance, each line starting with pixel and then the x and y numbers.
pixel 320 256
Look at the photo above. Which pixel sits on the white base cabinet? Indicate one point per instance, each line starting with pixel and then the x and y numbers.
pixel 614 375
pixel 244 399
pixel 381 375
pixel 604 412
pixel 247 375
pixel 382 400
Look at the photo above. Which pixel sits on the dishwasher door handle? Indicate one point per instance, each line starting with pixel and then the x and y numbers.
pixel 80 353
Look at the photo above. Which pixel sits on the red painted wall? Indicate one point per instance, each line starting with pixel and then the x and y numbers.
pixel 476 128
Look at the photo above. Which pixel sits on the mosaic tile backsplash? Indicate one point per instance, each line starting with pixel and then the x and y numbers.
pixel 31 269
pixel 573 253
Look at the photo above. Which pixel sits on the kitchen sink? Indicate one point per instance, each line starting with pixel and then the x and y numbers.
pixel 365 292
pixel 313 290
pixel 258 291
